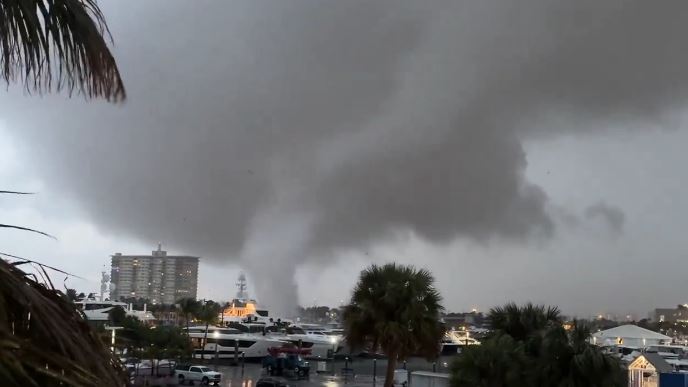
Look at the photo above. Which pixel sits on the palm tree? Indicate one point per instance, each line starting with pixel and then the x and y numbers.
pixel 497 362
pixel 58 44
pixel 569 359
pixel 397 307
pixel 522 322
pixel 208 314
pixel 188 307
pixel 530 347
pixel 224 307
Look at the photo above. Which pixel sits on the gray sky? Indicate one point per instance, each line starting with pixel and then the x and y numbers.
pixel 526 151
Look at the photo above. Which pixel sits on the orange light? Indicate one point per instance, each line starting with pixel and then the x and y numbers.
pixel 237 311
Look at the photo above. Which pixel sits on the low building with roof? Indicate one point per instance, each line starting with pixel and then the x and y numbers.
pixel 645 370
pixel 630 335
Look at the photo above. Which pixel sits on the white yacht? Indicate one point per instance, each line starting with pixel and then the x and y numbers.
pixel 319 343
pixel 245 317
pixel 98 311
pixel 97 308
pixel 336 332
pixel 333 336
pixel 320 330
pixel 454 340
pixel 316 333
pixel 225 341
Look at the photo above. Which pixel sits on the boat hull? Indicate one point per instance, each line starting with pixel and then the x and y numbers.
pixel 236 346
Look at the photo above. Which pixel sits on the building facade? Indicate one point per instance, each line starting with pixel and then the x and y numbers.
pixel 159 278
pixel 672 315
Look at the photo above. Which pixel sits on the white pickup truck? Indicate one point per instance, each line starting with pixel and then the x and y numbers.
pixel 197 373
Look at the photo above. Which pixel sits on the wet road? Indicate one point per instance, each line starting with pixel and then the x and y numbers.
pixel 353 373
pixel 360 372
pixel 234 377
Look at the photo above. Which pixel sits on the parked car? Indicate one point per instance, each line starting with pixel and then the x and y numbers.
pixel 283 364
pixel 197 373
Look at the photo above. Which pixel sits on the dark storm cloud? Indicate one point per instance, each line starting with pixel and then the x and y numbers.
pixel 613 216
pixel 279 131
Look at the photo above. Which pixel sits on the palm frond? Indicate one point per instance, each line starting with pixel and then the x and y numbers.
pixel 26 260
pixel 580 334
pixel 17 193
pixel 44 340
pixel 397 307
pixel 58 44
pixel 26 229
pixel 520 322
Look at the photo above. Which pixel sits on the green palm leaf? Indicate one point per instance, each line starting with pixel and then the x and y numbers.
pixel 44 340
pixel 530 347
pixel 58 44
pixel 396 308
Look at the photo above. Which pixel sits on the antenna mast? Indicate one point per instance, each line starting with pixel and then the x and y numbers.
pixel 242 293
pixel 104 279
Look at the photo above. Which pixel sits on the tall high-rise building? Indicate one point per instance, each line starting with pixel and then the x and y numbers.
pixel 160 278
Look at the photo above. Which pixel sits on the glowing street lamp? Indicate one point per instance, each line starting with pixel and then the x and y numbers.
pixel 333 341
pixel 216 336
pixel 112 340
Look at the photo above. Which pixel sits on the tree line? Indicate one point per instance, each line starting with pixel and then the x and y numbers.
pixel 396 308
pixel 136 339
pixel 529 346
pixel 160 342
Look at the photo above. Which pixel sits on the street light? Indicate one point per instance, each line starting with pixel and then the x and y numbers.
pixel 112 341
pixel 333 341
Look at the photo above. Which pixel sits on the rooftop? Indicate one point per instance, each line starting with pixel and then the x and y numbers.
pixel 630 331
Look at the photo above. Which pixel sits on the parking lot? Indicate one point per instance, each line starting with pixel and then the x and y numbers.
pixel 251 373
pixel 357 372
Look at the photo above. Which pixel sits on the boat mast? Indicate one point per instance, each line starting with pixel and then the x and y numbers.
pixel 242 293
pixel 104 279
